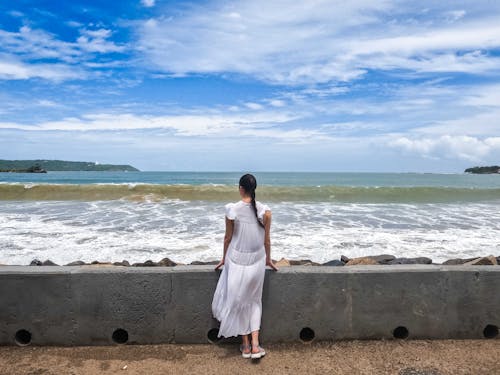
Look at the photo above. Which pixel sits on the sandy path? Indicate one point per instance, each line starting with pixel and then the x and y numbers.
pixel 417 357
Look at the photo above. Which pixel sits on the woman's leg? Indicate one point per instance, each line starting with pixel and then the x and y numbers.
pixel 245 346
pixel 244 340
pixel 255 341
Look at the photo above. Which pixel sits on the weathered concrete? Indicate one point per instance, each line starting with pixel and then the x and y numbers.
pixel 84 305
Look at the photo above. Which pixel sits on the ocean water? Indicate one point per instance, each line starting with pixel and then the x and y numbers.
pixel 111 216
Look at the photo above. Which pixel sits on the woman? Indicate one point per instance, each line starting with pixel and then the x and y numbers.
pixel 237 301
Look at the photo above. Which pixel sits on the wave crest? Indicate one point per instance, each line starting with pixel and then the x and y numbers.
pixel 158 192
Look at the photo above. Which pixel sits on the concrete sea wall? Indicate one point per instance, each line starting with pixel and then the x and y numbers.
pixel 88 305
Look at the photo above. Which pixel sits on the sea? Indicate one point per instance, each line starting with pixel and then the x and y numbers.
pixel 139 216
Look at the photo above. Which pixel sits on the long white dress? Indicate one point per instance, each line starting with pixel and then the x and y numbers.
pixel 237 301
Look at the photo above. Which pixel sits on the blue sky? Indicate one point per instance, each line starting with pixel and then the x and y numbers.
pixel 255 85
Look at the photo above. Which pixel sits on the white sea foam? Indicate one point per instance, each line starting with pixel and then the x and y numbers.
pixel 64 231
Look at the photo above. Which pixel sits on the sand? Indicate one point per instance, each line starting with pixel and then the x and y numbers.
pixel 412 357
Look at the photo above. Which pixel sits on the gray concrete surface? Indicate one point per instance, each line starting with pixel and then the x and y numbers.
pixel 85 305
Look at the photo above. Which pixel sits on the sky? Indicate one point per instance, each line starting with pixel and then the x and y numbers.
pixel 359 85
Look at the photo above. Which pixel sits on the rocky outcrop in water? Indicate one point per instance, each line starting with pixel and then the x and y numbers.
pixel 484 170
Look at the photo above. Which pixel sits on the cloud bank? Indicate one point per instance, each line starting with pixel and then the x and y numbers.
pixel 289 42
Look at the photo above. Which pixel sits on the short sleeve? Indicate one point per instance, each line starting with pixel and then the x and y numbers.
pixel 261 209
pixel 230 212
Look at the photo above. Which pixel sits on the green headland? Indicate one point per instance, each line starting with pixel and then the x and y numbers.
pixel 42 166
pixel 484 170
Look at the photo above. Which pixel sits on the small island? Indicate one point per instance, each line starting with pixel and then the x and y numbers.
pixel 42 166
pixel 484 170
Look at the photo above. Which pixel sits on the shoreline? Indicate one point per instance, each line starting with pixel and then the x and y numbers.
pixel 382 259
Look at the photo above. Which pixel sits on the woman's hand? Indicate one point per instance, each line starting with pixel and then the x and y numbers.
pixel 221 263
pixel 270 263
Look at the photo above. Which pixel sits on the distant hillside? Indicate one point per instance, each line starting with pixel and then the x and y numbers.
pixel 484 170
pixel 61 165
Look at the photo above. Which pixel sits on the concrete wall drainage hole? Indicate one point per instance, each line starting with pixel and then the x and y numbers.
pixel 306 334
pixel 400 332
pixel 22 337
pixel 120 336
pixel 490 331
pixel 212 335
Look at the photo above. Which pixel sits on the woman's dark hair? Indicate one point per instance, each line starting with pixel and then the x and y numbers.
pixel 249 184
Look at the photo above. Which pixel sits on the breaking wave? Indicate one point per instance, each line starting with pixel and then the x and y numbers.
pixel 142 192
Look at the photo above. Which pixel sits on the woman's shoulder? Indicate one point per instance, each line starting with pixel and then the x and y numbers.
pixel 262 208
pixel 234 204
pixel 230 209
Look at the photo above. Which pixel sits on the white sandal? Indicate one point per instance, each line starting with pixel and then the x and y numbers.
pixel 243 354
pixel 260 354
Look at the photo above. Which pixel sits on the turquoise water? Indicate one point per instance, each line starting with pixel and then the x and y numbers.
pixel 263 178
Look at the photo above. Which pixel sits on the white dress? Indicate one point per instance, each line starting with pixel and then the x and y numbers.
pixel 237 301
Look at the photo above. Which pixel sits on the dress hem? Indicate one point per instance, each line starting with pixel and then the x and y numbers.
pixel 238 334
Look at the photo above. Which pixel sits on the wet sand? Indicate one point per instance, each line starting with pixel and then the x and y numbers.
pixel 415 357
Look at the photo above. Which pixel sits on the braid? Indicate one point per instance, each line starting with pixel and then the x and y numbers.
pixel 254 205
pixel 249 184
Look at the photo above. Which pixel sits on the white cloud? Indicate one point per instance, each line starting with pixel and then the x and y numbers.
pixel 96 41
pixel 449 146
pixel 455 15
pixel 278 41
pixel 16 70
pixel 37 44
pixel 301 42
pixel 484 123
pixel 16 14
pixel 148 3
pixel 325 91
pixel 254 106
pixel 439 50
pixel 487 95
pixel 277 102
pixel 47 103
pixel 30 53
pixel 295 136
pixel 74 24
pixel 181 125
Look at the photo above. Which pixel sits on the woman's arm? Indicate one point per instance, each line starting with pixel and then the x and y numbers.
pixel 227 240
pixel 267 239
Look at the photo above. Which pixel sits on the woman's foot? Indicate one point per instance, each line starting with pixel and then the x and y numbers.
pixel 245 351
pixel 257 352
